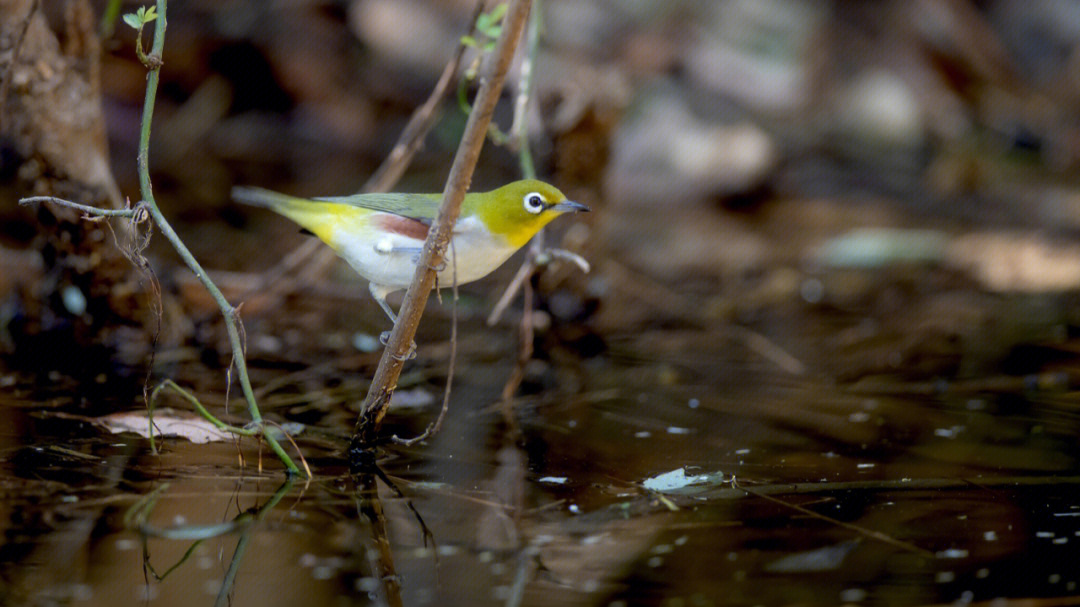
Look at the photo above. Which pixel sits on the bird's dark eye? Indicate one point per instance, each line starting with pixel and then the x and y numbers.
pixel 534 202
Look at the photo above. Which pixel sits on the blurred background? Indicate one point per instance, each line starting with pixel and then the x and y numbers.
pixel 735 152
pixel 831 241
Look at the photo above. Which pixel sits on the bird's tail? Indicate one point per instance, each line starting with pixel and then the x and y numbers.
pixel 319 218
pixel 261 197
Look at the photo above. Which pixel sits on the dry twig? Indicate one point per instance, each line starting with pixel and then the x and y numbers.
pixel 433 255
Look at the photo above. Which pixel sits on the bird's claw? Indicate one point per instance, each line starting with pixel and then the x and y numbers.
pixel 384 339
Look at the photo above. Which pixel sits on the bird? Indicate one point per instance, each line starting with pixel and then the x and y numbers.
pixel 381 235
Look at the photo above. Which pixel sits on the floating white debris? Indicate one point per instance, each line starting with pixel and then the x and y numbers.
pixel 642 434
pixel 554 480
pixel 1044 534
pixel 990 536
pixel 865 466
pixel 678 479
pixel 679 430
pixel 952 553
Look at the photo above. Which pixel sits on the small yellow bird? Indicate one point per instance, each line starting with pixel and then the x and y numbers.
pixel 381 235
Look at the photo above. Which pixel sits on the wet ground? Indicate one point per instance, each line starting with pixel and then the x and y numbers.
pixel 715 464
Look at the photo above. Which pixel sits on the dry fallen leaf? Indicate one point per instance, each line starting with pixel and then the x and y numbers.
pixel 166 423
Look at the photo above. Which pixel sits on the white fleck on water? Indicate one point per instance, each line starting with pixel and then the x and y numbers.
pixel 852 595
pixel 952 553
pixel 944 577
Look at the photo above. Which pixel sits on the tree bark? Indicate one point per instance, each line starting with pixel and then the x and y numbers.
pixel 84 296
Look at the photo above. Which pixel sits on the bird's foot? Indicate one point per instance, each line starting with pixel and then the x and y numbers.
pixel 384 338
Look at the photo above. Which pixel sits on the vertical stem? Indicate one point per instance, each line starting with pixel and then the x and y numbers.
pixel 146 190
pixel 521 113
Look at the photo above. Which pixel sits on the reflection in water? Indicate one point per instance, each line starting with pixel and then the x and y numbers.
pixel 370 509
pixel 137 517
pixel 886 491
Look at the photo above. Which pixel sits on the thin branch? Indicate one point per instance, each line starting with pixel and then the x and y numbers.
pixel 870 533
pixel 433 427
pixel 523 274
pixel 421 122
pixel 91 212
pixel 399 344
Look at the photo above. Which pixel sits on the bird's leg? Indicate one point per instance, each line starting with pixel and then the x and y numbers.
pixel 379 293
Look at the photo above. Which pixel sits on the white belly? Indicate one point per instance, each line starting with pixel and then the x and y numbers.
pixel 389 260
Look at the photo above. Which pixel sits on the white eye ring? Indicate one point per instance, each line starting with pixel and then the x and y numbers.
pixel 534 202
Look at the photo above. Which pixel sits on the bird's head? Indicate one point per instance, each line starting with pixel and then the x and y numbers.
pixel 518 210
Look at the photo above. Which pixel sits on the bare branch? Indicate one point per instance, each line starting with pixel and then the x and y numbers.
pixel 386 376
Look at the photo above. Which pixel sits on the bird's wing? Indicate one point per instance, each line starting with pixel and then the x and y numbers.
pixel 419 207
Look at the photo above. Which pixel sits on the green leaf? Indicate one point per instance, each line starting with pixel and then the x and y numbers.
pixel 149 15
pixel 133 20
pixel 468 41
pixel 499 12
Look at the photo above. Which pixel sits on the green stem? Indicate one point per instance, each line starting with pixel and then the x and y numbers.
pixel 227 310
pixel 188 396
pixel 97 211
pixel 532 44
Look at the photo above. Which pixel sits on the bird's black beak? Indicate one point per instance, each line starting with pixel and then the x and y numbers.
pixel 569 206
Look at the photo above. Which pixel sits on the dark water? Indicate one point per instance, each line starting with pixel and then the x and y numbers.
pixel 885 490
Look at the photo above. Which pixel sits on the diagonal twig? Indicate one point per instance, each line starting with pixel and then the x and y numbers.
pixel 433 255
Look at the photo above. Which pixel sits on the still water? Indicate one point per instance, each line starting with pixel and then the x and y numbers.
pixel 716 465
